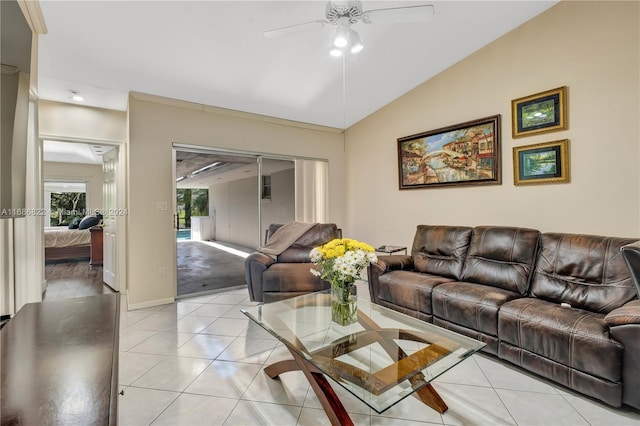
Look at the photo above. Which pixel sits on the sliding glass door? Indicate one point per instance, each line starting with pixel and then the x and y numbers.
pixel 245 193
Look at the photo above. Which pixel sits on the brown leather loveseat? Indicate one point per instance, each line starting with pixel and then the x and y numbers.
pixel 272 278
pixel 560 305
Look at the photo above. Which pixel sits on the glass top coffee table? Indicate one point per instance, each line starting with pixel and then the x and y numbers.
pixel 382 358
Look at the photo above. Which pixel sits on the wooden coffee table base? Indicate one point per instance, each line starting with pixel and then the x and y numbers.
pixel 328 399
pixel 321 387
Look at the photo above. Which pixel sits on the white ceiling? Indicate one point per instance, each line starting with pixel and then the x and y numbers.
pixel 72 152
pixel 213 52
pixel 232 168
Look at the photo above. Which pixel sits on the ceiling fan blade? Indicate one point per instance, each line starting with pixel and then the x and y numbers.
pixel 396 15
pixel 293 29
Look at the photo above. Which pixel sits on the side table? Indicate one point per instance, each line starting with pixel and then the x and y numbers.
pixel 96 246
pixel 391 249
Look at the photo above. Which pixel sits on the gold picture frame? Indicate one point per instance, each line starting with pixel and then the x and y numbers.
pixel 541 163
pixel 542 112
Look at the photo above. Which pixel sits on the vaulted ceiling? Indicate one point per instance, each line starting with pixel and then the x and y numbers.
pixel 214 53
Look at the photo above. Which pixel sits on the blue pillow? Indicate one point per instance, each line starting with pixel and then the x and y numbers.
pixel 74 223
pixel 88 221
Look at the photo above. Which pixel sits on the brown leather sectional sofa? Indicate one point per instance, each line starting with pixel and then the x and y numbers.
pixel 560 305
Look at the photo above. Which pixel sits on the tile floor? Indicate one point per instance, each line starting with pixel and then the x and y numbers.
pixel 199 361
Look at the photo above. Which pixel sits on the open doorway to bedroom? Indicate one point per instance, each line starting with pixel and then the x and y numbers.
pixel 73 191
pixel 242 192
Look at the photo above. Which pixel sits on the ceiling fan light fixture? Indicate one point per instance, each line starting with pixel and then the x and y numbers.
pixel 356 44
pixel 335 52
pixel 342 34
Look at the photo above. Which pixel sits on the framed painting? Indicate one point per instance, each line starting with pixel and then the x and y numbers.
pixel 463 154
pixel 541 163
pixel 540 113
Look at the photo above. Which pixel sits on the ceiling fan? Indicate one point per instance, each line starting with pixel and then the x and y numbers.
pixel 343 14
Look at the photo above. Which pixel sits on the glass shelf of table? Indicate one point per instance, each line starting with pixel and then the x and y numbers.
pixel 380 359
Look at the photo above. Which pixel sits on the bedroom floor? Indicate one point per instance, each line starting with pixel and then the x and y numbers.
pixel 68 280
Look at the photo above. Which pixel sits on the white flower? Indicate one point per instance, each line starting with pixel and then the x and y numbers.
pixel 315 255
pixel 343 268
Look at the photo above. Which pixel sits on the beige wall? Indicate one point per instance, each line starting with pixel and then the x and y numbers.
pixel 154 125
pixel 235 204
pixel 89 173
pixel 591 47
pixel 75 122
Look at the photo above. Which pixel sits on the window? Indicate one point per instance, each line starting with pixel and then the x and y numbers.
pixel 66 201
pixel 266 187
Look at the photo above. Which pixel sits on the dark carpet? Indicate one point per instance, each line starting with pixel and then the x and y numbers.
pixel 204 268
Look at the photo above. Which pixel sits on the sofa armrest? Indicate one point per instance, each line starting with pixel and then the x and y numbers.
pixel 624 327
pixel 394 263
pixel 254 265
pixel 382 266
pixel 628 313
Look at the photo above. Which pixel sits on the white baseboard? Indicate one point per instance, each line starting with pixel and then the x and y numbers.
pixel 149 304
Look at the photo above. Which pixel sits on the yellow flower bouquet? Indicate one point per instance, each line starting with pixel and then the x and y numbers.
pixel 340 262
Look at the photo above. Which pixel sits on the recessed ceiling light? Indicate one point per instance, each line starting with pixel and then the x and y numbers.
pixel 75 95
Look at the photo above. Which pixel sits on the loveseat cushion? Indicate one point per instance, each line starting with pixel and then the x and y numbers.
pixel 586 271
pixel 440 250
pixel 291 277
pixel 501 257
pixel 574 337
pixel 409 289
pixel 470 305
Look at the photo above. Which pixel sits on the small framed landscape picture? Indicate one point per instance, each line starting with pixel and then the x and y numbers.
pixel 540 113
pixel 541 163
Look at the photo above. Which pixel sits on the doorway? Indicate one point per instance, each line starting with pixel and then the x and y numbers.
pixel 74 175
pixel 222 202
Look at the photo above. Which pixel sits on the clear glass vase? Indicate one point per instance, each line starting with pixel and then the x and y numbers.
pixel 344 307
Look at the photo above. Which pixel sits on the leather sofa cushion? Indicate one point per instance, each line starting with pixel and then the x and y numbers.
pixel 291 277
pixel 470 305
pixel 492 342
pixel 318 235
pixel 585 271
pixel 440 250
pixel 579 381
pixel 409 289
pixel 501 257
pixel 576 338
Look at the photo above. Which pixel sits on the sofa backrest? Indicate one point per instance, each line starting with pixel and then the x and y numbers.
pixel 501 257
pixel 318 235
pixel 440 250
pixel 585 271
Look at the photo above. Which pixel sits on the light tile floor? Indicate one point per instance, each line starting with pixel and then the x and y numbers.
pixel 199 361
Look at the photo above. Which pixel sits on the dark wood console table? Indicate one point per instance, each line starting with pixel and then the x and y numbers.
pixel 59 363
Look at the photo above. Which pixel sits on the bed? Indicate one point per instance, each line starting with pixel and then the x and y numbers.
pixel 62 243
